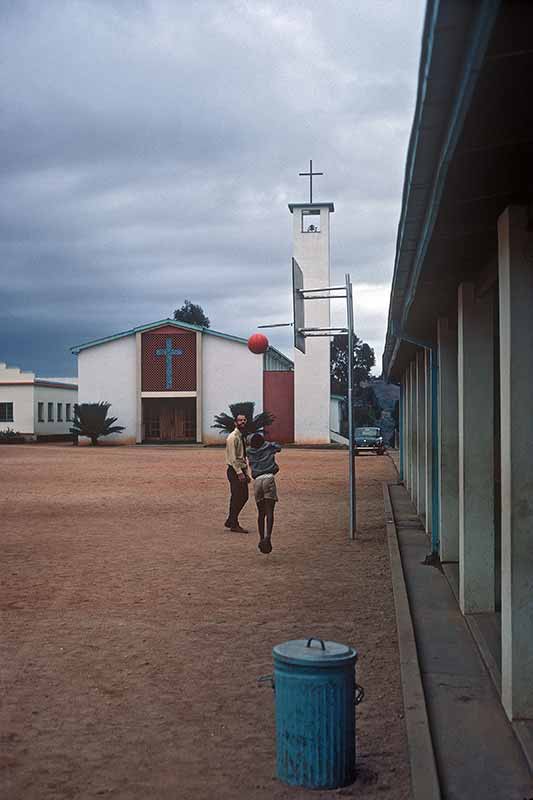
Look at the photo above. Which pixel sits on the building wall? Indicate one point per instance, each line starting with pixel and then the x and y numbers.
pixel 230 374
pixel 55 395
pixel 22 399
pixel 108 372
pixel 278 398
pixel 14 374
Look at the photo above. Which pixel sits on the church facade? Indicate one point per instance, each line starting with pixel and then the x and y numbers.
pixel 167 380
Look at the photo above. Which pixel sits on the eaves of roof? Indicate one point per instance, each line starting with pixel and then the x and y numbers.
pixel 454 34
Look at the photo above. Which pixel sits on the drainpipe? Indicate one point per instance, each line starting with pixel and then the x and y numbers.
pixel 434 375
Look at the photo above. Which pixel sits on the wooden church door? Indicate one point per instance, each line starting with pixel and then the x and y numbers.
pixel 177 421
pixel 170 420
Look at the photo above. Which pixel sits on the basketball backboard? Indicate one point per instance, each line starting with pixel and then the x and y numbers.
pixel 298 306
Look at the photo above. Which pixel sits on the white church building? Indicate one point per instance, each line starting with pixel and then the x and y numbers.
pixel 167 380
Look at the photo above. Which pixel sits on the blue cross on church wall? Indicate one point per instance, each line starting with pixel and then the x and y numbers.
pixel 168 352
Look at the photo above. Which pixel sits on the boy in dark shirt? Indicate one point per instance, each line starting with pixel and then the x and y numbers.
pixel 261 457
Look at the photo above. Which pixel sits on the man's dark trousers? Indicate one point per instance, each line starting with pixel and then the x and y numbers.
pixel 239 497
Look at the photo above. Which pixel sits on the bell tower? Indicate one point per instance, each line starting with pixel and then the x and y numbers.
pixel 311 249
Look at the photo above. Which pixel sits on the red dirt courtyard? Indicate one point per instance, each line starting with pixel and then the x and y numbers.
pixel 134 628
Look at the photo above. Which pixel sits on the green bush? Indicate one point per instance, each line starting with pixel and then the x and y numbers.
pixel 226 423
pixel 91 420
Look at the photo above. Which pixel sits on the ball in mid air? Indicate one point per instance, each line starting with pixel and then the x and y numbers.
pixel 258 343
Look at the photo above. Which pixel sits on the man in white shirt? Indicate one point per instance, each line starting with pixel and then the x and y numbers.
pixel 237 473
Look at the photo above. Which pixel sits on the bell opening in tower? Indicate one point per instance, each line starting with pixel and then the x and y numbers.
pixel 311 220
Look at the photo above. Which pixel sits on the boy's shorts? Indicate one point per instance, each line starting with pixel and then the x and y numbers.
pixel 265 488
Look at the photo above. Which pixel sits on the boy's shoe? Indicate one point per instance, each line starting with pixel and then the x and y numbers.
pixel 265 546
pixel 238 529
pixel 227 524
pixel 261 545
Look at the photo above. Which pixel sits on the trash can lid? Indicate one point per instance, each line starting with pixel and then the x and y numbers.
pixel 313 652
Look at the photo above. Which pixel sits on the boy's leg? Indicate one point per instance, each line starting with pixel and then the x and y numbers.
pixel 261 515
pixel 269 511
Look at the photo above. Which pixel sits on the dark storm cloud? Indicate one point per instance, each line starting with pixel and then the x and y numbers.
pixel 149 150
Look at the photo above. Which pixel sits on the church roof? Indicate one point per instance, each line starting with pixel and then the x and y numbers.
pixel 176 323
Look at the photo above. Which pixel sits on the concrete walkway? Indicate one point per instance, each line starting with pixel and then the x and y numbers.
pixel 477 753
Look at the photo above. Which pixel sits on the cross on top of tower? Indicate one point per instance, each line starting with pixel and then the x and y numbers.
pixel 310 174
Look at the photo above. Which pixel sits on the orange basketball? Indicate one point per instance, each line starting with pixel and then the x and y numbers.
pixel 258 343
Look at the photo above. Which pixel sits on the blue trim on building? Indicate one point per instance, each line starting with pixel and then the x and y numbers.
pixel 435 489
pixel 401 429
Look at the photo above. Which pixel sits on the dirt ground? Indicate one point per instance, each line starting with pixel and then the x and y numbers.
pixel 134 629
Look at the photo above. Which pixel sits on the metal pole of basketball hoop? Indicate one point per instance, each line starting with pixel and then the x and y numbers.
pixel 351 448
pixel 301 333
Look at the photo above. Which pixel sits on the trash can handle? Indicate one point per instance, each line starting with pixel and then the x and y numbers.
pixel 316 639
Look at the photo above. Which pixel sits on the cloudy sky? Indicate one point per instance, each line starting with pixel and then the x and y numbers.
pixel 149 149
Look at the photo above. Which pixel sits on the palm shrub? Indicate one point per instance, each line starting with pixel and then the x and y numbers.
pixel 226 422
pixel 9 433
pixel 91 420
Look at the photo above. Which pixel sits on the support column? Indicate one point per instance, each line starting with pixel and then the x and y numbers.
pixel 138 390
pixel 448 440
pixel 476 443
pixel 429 450
pixel 407 430
pixel 421 432
pixel 414 445
pixel 515 270
pixel 199 386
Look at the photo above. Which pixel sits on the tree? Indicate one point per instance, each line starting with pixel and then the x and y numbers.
pixel 192 313
pixel 367 410
pixel 363 361
pixel 90 419
pixel 366 407
pixel 226 423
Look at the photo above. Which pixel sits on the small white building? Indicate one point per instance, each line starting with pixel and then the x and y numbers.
pixel 167 380
pixel 338 419
pixel 36 408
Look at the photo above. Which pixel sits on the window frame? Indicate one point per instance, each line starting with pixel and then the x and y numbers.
pixel 5 411
pixel 59 412
pixel 40 411
pixel 50 414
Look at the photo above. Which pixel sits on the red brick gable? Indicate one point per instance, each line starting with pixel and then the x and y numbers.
pixel 168 360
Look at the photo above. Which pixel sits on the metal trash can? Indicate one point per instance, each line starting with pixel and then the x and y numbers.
pixel 316 695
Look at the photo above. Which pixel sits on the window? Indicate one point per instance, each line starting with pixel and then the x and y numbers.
pixel 50 412
pixel 60 412
pixel 40 412
pixel 311 220
pixel 67 412
pixel 6 412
